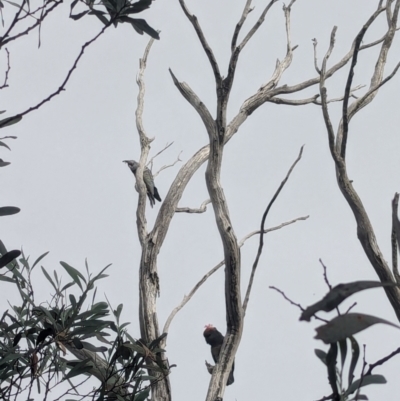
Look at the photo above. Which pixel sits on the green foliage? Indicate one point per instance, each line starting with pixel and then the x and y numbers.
pixel 115 12
pixel 35 339
pixel 339 390
pixel 340 331
pixel 5 122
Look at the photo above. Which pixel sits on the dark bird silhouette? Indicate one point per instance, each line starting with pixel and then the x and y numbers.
pixel 152 192
pixel 215 339
pixel 43 334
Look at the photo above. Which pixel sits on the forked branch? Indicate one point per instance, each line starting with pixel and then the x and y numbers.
pixel 337 145
pixel 188 297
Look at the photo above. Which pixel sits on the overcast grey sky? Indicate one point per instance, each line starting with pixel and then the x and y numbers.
pixel 78 199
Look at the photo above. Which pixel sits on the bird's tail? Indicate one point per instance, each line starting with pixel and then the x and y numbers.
pixel 231 378
pixel 151 199
pixel 156 194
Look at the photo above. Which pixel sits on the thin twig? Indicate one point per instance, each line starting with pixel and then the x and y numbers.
pixel 287 11
pixel 362 372
pixel 286 297
pixel 324 103
pixel 213 61
pixel 361 100
pixel 376 42
pixel 315 44
pixel 6 40
pixel 13 23
pixel 339 99
pixel 382 361
pixel 239 25
pixel 177 160
pixel 187 298
pixel 294 102
pixel 326 275
pixel 257 232
pixel 150 162
pixel 5 85
pixel 350 308
pixel 201 209
pixel 255 27
pixel 294 303
pixel 64 83
pixel 261 243
pixel 349 111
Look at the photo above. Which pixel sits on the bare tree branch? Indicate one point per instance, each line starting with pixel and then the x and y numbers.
pixel 315 44
pixel 188 297
pixel 326 275
pixel 345 116
pixel 239 25
pixel 201 209
pixel 5 84
pixel 294 102
pixel 194 100
pixel 395 236
pixel 365 232
pixel 149 287
pixel 5 39
pixel 261 244
pixel 324 103
pixel 213 62
pixel 376 42
pixel 286 297
pixel 254 29
pixel 313 99
pixel 144 150
pixel 67 78
pixel 150 162
pixel 269 90
pixel 376 77
pixel 373 90
pixel 382 361
pixel 13 22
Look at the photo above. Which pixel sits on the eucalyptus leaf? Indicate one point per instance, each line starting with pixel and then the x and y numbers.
pixel 142 395
pixel 321 355
pixel 9 210
pixel 7 279
pixel 355 354
pixel 75 274
pixel 5 122
pixel 9 257
pixel 80 368
pixel 344 326
pixel 365 381
pixel 39 259
pixel 92 348
pixel 338 294
pixel 5 145
pixel 48 277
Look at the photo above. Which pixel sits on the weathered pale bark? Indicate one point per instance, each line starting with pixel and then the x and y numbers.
pixel 220 132
pixel 338 142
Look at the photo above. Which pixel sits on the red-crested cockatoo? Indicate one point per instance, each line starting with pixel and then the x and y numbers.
pixel 215 339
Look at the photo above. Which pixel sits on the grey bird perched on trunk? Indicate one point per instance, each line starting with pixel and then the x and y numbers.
pixel 152 191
